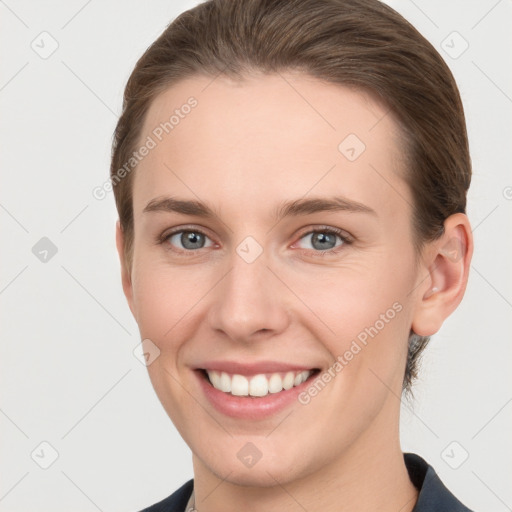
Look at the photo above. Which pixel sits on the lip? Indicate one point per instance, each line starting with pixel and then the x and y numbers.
pixel 247 407
pixel 255 368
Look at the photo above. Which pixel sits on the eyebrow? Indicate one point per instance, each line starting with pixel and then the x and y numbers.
pixel 294 208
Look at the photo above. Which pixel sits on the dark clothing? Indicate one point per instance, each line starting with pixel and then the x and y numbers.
pixel 433 495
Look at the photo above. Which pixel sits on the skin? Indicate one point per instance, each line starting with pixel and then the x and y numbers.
pixel 245 149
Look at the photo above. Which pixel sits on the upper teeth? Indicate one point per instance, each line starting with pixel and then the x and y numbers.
pixel 258 385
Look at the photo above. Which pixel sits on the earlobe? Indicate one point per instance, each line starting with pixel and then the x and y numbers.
pixel 447 264
pixel 125 271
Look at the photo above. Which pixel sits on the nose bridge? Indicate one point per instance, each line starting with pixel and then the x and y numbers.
pixel 248 300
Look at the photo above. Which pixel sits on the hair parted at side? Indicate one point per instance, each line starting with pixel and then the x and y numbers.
pixel 363 44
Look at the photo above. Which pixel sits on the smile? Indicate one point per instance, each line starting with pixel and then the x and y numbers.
pixel 253 390
pixel 257 385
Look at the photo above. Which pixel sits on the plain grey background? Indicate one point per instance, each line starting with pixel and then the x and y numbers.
pixel 69 378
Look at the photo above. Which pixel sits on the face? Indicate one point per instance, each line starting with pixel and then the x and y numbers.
pixel 273 244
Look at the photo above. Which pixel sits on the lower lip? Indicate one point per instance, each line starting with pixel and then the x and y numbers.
pixel 247 407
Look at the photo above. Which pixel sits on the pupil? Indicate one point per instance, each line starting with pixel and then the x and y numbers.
pixel 191 240
pixel 326 241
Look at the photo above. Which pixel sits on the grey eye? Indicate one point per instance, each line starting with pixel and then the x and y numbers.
pixel 189 240
pixel 322 240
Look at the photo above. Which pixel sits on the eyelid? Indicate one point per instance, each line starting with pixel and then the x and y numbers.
pixel 164 237
pixel 346 237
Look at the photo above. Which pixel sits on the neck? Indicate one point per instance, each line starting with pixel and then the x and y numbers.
pixel 370 475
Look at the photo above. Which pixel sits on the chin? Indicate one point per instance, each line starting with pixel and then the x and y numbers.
pixel 260 475
pixel 273 468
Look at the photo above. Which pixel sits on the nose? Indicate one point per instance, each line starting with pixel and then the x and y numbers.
pixel 249 303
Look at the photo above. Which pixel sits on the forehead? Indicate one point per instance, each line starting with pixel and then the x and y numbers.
pixel 267 136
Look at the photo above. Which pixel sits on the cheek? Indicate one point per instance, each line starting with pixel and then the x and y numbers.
pixel 153 303
pixel 159 300
pixel 164 300
pixel 163 297
pixel 362 316
pixel 349 300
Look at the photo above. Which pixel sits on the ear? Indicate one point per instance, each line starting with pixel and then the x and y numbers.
pixel 446 262
pixel 126 277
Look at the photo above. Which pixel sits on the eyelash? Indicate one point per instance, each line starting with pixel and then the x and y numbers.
pixel 344 236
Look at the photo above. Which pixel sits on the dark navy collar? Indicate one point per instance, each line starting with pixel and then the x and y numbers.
pixel 176 502
pixel 433 495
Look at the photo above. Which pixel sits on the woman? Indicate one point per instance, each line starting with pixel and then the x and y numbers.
pixel 291 184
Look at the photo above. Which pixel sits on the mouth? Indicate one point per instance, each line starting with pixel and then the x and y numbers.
pixel 253 390
pixel 258 385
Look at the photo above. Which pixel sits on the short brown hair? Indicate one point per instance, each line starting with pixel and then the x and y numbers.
pixel 363 44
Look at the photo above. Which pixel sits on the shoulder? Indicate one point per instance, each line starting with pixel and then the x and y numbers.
pixel 176 502
pixel 433 495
